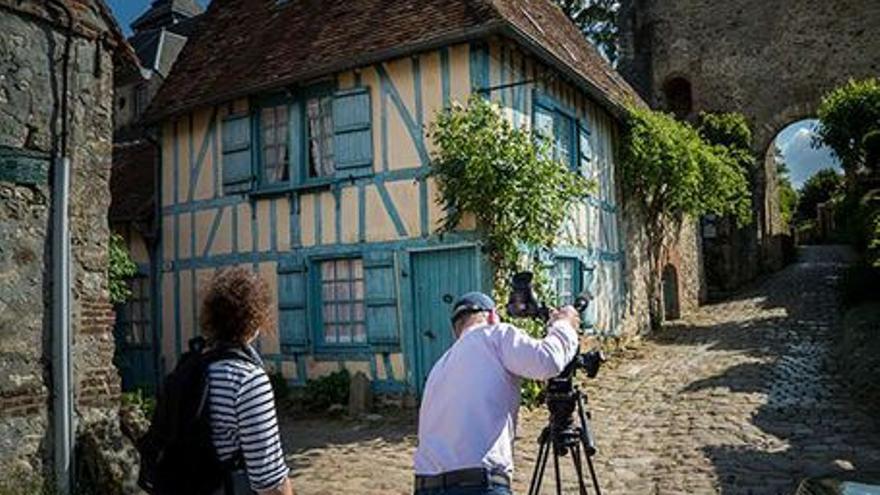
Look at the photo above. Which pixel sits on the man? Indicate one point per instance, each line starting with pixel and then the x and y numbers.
pixel 467 422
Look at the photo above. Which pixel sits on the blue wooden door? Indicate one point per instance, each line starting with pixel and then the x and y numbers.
pixel 439 277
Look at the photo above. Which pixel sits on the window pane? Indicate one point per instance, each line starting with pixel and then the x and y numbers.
pixel 360 333
pixel 562 129
pixel 327 271
pixel 327 292
pixel 344 334
pixel 273 131
pixel 543 123
pixel 357 269
pixel 344 312
pixel 343 292
pixel 342 269
pixel 357 311
pixel 319 112
pixel 358 290
pixel 329 313
pixel 330 333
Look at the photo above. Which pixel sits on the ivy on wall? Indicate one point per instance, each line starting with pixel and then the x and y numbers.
pixel 121 268
pixel 671 173
pixel 519 194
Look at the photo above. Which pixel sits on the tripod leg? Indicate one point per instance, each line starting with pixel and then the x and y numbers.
pixel 556 470
pixel 593 475
pixel 578 467
pixel 588 443
pixel 540 465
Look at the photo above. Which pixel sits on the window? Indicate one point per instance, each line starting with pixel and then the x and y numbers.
pixel 565 274
pixel 319 115
pixel 343 317
pixel 557 126
pixel 134 317
pixel 140 100
pixel 274 145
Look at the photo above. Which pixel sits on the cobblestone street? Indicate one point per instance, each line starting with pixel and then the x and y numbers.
pixel 741 397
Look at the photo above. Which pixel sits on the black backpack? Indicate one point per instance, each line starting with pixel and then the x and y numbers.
pixel 177 454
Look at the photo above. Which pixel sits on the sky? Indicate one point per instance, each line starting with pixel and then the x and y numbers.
pixel 802 158
pixel 127 11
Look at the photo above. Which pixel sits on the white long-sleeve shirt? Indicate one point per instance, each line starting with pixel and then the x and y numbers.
pixel 471 400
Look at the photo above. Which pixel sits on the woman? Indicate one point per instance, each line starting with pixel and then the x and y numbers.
pixel 244 427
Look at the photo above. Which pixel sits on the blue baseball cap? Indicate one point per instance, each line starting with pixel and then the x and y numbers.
pixel 470 303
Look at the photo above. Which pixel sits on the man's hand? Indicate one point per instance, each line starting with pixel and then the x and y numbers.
pixel 567 314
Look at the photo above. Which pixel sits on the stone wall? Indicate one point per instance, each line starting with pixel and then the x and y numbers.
pixel 771 61
pixel 683 252
pixel 30 95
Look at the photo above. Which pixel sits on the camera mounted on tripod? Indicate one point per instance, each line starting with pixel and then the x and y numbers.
pixel 568 430
pixel 523 301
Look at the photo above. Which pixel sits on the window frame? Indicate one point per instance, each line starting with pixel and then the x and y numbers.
pixel 301 177
pixel 297 141
pixel 124 316
pixel 260 184
pixel 544 101
pixel 576 277
pixel 315 303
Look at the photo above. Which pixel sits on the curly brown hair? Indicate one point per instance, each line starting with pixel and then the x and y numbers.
pixel 235 306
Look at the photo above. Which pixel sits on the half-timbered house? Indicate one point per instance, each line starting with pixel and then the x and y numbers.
pixel 293 141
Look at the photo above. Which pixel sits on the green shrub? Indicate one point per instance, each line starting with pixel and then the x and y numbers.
pixel 321 393
pixel 141 400
pixel 121 268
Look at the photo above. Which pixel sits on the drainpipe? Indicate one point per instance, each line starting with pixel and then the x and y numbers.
pixel 62 389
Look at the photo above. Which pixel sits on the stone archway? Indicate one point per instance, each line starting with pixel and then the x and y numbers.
pixel 744 56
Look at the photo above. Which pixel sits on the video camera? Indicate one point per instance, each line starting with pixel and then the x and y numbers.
pixel 569 428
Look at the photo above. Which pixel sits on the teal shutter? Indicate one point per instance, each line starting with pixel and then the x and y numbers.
pixel 292 321
pixel 238 173
pixel 353 136
pixel 585 150
pixel 383 326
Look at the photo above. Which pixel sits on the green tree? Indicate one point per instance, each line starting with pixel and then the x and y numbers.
pixel 847 115
pixel 671 173
pixel 788 196
pixel 121 269
pixel 819 188
pixel 597 20
pixel 519 195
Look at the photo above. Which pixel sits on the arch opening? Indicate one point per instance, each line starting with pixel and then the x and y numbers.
pixel 671 296
pixel 805 172
pixel 678 96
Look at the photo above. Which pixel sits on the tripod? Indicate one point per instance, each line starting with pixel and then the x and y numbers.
pixel 564 437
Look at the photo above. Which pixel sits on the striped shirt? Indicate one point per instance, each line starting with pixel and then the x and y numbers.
pixel 242 414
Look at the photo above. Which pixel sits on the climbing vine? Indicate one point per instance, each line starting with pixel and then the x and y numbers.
pixel 121 268
pixel 517 192
pixel 672 173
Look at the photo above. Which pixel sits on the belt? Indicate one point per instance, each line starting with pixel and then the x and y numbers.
pixel 473 477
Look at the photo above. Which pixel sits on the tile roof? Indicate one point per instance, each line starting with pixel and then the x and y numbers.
pixel 246 46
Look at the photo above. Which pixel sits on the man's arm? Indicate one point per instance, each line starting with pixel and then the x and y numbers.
pixel 545 358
